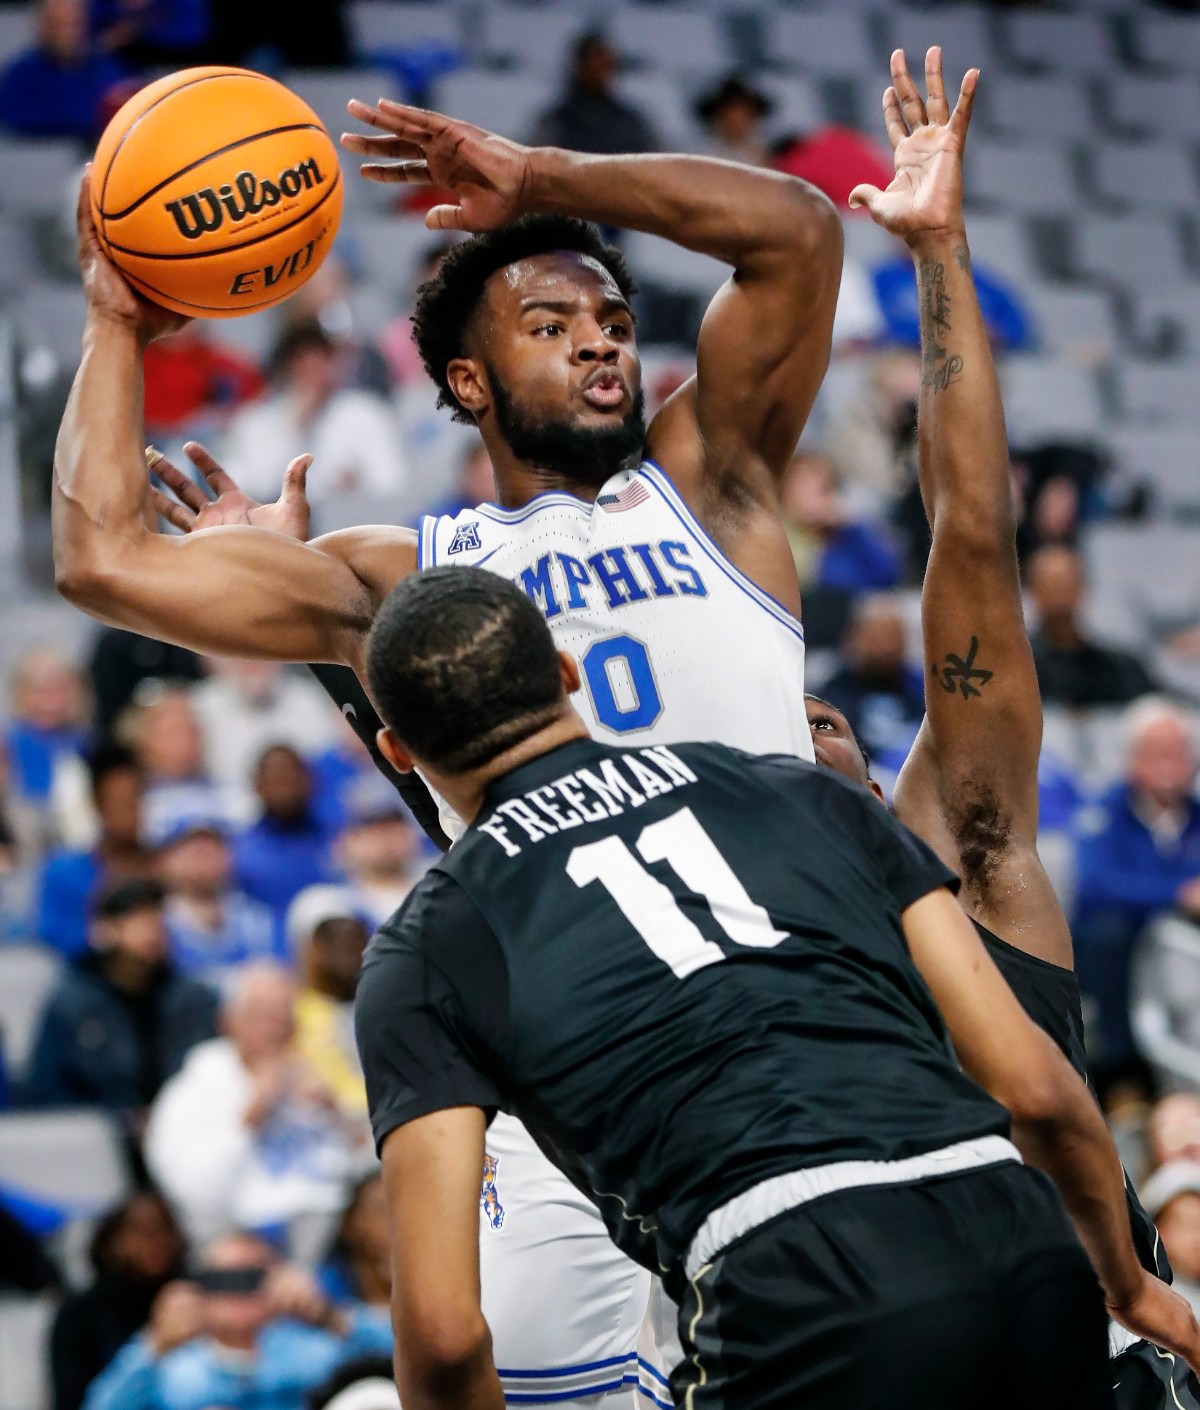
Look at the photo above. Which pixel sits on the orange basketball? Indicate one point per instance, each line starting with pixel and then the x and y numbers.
pixel 216 191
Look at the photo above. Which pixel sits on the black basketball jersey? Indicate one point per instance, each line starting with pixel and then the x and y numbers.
pixel 1049 994
pixel 684 969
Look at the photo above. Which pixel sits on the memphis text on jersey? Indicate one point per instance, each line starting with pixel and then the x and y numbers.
pixel 559 583
pixel 615 785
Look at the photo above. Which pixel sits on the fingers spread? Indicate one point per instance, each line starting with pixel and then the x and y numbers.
pixel 910 99
pixel 186 490
pixel 961 116
pixel 397 173
pixel 935 88
pixel 220 481
pixel 897 128
pixel 172 511
pixel 365 145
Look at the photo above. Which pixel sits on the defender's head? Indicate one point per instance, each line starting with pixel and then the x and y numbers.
pixel 835 744
pixel 528 332
pixel 463 670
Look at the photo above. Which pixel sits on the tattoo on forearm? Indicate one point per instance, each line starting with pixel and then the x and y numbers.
pixel 961 673
pixel 962 258
pixel 940 366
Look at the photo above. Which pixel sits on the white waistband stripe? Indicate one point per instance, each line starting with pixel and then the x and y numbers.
pixel 762 1202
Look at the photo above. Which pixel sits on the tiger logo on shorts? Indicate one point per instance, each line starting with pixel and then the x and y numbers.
pixel 489 1197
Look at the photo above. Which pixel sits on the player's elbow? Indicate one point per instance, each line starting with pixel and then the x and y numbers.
pixel 440 1353
pixel 814 228
pixel 1045 1098
pixel 87 580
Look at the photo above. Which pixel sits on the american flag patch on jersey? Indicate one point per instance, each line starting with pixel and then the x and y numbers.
pixel 630 497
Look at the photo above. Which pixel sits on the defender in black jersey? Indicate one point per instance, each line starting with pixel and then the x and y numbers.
pixel 969 787
pixel 734 1048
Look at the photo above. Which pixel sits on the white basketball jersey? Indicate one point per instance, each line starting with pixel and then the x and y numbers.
pixel 673 642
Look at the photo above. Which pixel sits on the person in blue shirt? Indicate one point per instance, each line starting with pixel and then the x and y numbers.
pixel 46 724
pixel 287 849
pixel 213 926
pixel 1139 857
pixel 69 879
pixel 58 87
pixel 246 1333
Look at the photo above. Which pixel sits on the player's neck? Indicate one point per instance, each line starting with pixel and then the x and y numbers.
pixel 465 792
pixel 519 481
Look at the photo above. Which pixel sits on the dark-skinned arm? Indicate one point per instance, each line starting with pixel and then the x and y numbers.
pixel 970 785
pixel 431 1172
pixel 237 590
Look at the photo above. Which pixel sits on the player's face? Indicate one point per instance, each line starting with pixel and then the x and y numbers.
pixel 557 346
pixel 834 743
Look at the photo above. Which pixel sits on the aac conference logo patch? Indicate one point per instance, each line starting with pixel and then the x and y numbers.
pixel 467 536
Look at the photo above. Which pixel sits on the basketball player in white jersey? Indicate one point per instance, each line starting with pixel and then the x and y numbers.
pixel 656 554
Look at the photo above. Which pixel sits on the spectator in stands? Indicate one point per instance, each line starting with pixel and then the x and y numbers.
pixel 13 907
pixel 396 340
pixel 136 1250
pixel 193 384
pixel 379 850
pixel 872 443
pixel 69 880
pixel 152 33
pixel 881 696
pixel 589 117
pixel 358 1270
pixel 325 301
pixel 246 1135
pixel 121 1020
pixel 1004 313
pixel 57 88
pixel 328 934
pixel 213 927
pixel 1172 1199
pixel 1072 669
pixel 48 713
pixel 246 706
pixel 836 159
pixel 353 436
pixel 735 114
pixel 248 1333
pixel 287 849
pixel 1139 858
pixel 24 1264
pixel 122 660
pixel 162 729
pixel 267 32
pixel 339 774
pixel 832 548
pixel 476 482
pixel 1173 1130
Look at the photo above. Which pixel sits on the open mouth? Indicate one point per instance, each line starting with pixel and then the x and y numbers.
pixel 605 390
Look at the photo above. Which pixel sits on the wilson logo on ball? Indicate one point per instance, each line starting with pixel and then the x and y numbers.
pixel 204 211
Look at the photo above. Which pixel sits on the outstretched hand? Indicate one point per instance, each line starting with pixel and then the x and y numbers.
pixel 191 509
pixel 488 176
pixel 925 196
pixel 108 293
pixel 1159 1315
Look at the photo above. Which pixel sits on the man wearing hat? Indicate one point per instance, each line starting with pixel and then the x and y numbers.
pixel 734 114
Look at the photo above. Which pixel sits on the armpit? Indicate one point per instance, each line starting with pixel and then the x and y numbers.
pixel 982 831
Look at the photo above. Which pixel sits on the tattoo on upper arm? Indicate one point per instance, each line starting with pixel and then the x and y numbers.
pixel 940 366
pixel 961 673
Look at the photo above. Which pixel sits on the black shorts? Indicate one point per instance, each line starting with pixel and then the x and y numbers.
pixel 1145 1378
pixel 971 1290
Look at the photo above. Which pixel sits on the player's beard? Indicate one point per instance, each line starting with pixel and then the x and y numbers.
pixel 585 454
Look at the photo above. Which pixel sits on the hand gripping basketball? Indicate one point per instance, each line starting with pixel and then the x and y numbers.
pixel 488 176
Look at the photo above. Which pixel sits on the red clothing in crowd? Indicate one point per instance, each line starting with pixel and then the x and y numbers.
pixel 186 375
pixel 836 160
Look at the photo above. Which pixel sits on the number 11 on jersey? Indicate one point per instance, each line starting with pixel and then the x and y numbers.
pixel 649 906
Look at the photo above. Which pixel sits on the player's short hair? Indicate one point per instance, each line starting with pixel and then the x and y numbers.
pixel 446 303
pixel 462 667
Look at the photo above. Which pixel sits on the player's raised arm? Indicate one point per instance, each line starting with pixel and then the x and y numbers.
pixel 765 342
pixel 1056 1124
pixel 236 590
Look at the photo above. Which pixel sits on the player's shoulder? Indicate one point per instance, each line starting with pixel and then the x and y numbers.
pixel 437 905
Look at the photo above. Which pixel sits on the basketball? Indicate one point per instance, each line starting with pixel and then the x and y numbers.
pixel 216 191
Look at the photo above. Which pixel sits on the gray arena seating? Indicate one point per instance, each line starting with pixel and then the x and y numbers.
pixel 27 974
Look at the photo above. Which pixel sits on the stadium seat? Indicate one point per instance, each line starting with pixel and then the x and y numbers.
pixel 1119 247
pixel 327 92
pixel 1081 43
pixel 38 177
pixel 531 34
pixel 869 243
pixel 671 39
pixel 51 316
pixel 71 1159
pixel 1002 243
pixel 671 267
pixel 505 102
pixel 1161 392
pixel 386 250
pixel 380 27
pixel 25 1324
pixel 1160 175
pixel 1169 322
pixel 965 33
pixel 1021 176
pixel 1033 107
pixel 1048 397
pixel 16 29
pixel 1168 460
pixel 1167 41
pixel 1169 107
pixel 1073 323
pixel 823 42
pixel 799 106
pixel 665 101
pixel 27 974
